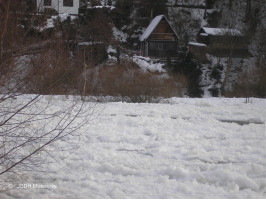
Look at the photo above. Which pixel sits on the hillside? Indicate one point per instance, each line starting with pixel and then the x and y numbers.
pixel 187 17
pixel 106 34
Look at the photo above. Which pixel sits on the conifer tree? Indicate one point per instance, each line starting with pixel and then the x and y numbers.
pixel 155 7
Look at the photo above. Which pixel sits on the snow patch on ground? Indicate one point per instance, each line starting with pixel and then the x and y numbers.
pixel 50 22
pixel 109 7
pixel 119 35
pixel 148 64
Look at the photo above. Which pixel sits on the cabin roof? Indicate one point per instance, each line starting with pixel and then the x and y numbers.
pixel 152 26
pixel 221 31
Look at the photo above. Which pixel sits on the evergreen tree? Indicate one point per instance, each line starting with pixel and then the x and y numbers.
pixel 152 8
pixel 188 66
pixel 121 15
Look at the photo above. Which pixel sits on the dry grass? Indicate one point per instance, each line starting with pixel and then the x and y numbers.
pixel 127 80
pixel 252 84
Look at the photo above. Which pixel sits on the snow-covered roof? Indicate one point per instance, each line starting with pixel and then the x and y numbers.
pixel 221 31
pixel 152 26
pixel 89 43
pixel 204 34
pixel 197 44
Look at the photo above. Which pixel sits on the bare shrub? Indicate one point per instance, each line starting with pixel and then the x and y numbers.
pixel 128 81
pixel 53 71
pixel 31 123
pixel 250 84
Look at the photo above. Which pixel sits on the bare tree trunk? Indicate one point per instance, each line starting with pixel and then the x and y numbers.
pixel 229 66
pixel 31 123
pixel 230 3
pixel 151 13
pixel 7 13
pixel 227 72
pixel 248 9
pixel 118 54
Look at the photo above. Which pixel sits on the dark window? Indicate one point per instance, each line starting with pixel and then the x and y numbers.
pixel 47 3
pixel 170 46
pixel 157 45
pixel 68 3
pixel 160 46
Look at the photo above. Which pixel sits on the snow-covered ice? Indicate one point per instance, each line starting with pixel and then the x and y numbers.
pixel 179 148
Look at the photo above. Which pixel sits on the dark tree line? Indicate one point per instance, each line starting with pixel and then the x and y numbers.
pixel 189 67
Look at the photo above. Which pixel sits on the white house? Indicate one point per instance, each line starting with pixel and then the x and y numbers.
pixel 61 6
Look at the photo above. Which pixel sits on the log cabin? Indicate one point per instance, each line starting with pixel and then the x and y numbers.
pixel 159 39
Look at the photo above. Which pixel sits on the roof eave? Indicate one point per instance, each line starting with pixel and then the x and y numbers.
pixel 147 37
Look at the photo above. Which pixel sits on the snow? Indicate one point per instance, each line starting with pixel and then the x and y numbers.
pixel 109 7
pixel 187 2
pixel 111 49
pixel 239 65
pixel 103 4
pixel 89 43
pixel 203 34
pixel 146 63
pixel 50 22
pixel 64 16
pixel 152 26
pixel 221 31
pixel 180 148
pixel 119 35
pixel 197 44
pixel 197 15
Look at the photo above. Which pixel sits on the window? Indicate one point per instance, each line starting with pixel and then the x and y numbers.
pixel 68 3
pixel 170 46
pixel 157 45
pixel 160 46
pixel 47 3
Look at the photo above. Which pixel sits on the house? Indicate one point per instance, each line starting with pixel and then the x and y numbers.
pixel 159 39
pixel 223 41
pixel 61 6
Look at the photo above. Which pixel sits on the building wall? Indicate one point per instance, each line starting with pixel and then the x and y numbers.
pixel 71 10
pixel 228 42
pixel 58 6
pixel 199 52
pixel 162 49
pixel 225 45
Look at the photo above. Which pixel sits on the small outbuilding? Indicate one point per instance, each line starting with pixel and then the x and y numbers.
pixel 223 41
pixel 199 50
pixel 159 39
